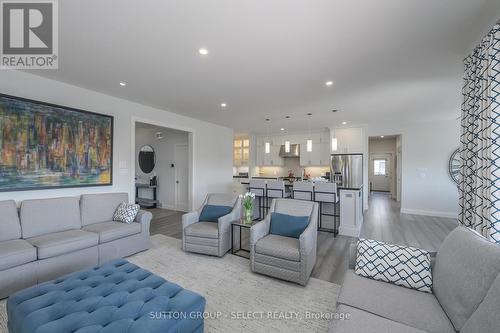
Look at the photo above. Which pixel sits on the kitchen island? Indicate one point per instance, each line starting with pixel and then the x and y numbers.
pixel 351 207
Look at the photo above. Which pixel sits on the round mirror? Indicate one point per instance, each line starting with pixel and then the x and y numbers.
pixel 454 166
pixel 147 159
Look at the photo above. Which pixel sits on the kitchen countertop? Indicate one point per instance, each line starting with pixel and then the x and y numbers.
pixel 344 186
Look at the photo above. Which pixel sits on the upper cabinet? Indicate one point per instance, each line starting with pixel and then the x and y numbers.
pixel 241 151
pixel 319 154
pixel 349 140
pixel 269 156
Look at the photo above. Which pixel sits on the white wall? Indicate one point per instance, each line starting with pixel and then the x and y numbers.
pixel 212 144
pixel 427 188
pixel 165 157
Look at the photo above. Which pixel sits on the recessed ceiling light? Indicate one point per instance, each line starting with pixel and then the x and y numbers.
pixel 203 51
pixel 123 84
pixel 334 110
pixel 344 123
pixel 329 83
pixel 381 136
pixel 287 117
pixel 282 129
pixel 223 105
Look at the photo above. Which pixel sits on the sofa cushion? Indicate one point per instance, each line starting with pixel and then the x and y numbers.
pixel 466 266
pixel 288 225
pixel 408 306
pixel 486 318
pixel 97 208
pixel 203 229
pixel 10 227
pixel 279 247
pixel 16 252
pixel 110 231
pixel 404 266
pixel 356 320
pixel 57 243
pixel 45 216
pixel 212 213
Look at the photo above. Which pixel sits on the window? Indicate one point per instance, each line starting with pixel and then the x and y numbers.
pixel 379 167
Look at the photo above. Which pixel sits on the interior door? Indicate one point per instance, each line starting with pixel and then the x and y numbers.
pixel 380 172
pixel 181 158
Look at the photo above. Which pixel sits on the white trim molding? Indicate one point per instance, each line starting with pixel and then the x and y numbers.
pixel 429 213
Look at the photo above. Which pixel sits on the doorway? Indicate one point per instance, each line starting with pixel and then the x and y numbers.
pixel 384 169
pixel 166 182
pixel 380 172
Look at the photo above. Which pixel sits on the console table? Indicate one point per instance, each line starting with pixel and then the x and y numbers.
pixel 146 202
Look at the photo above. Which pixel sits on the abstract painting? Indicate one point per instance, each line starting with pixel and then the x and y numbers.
pixel 49 146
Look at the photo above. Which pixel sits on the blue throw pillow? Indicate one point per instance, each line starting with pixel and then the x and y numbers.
pixel 211 213
pixel 288 225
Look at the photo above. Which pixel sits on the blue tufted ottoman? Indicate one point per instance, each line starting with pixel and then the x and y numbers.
pixel 115 297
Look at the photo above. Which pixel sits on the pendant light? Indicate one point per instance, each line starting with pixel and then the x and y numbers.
pixel 267 144
pixel 287 142
pixel 334 142
pixel 334 146
pixel 309 142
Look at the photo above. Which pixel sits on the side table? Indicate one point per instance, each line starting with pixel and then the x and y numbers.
pixel 240 224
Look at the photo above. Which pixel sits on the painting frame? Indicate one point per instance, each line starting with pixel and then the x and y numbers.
pixel 75 110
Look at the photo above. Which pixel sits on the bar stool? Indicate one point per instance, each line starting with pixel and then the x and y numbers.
pixel 326 192
pixel 276 189
pixel 303 191
pixel 259 188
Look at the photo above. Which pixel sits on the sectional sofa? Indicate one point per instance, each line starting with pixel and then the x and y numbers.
pixel 47 238
pixel 465 294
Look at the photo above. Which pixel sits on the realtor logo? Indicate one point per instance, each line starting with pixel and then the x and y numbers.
pixel 28 34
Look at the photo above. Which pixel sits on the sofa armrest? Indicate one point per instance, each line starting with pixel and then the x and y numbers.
pixel 190 218
pixel 143 216
pixel 259 230
pixel 226 220
pixel 308 239
pixel 353 251
pixel 309 236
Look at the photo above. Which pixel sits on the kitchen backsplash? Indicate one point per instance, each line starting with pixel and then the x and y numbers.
pixel 269 171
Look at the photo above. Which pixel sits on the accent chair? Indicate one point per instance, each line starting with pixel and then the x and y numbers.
pixel 212 238
pixel 283 257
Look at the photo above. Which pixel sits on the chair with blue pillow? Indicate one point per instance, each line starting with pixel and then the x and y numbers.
pixel 283 245
pixel 208 229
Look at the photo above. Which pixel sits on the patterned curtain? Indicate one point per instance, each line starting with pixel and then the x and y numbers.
pixel 480 139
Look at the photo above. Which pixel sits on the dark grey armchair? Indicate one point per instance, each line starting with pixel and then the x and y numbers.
pixel 283 257
pixel 213 238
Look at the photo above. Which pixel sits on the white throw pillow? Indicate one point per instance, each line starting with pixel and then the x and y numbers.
pixel 126 212
pixel 401 265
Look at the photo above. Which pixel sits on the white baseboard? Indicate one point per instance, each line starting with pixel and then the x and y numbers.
pixel 429 213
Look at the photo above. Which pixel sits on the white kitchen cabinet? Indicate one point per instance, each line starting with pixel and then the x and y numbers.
pixel 351 212
pixel 349 140
pixel 272 158
pixel 319 156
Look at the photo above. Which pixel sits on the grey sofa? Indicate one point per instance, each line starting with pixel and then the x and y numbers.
pixel 209 237
pixel 465 298
pixel 285 257
pixel 48 238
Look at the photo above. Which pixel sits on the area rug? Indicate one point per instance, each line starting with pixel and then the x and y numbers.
pixel 237 299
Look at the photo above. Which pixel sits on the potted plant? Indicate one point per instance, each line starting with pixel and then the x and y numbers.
pixel 247 201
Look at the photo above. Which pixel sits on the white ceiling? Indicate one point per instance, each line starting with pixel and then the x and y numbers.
pixel 391 60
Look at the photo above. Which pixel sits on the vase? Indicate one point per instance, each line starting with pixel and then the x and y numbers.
pixel 248 215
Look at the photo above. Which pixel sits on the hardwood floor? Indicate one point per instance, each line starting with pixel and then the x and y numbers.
pixel 382 221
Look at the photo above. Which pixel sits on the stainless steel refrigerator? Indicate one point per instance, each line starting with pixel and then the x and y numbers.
pixel 347 170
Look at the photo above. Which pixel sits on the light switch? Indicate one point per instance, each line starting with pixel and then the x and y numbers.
pixel 122 164
pixel 123 172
